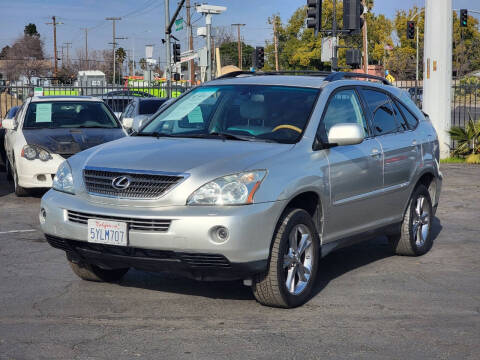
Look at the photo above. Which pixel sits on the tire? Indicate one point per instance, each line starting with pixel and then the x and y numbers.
pixel 19 191
pixel 94 273
pixel 415 237
pixel 270 288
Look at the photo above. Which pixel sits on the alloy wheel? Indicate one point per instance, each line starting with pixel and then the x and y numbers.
pixel 298 260
pixel 421 221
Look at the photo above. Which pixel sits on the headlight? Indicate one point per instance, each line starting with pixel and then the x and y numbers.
pixel 236 189
pixel 63 180
pixel 32 152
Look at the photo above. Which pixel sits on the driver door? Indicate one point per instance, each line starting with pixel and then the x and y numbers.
pixel 356 171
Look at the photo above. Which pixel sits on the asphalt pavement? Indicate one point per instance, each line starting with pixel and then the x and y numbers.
pixel 368 303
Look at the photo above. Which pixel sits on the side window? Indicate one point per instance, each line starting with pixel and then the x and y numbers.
pixel 383 116
pixel 411 120
pixel 398 115
pixel 343 107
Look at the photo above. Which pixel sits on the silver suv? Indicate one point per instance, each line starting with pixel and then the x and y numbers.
pixel 253 177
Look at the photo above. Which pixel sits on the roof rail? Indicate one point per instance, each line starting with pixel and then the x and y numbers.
pixel 329 76
pixel 259 73
pixel 334 76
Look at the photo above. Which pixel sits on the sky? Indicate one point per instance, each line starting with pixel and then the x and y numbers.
pixel 143 21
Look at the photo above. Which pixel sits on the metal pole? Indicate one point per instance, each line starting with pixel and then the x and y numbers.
pixel 208 21
pixel 365 42
pixel 191 64
pixel 416 72
pixel 334 34
pixel 167 48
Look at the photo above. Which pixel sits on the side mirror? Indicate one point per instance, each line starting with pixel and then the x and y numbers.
pixel 127 123
pixel 9 124
pixel 345 134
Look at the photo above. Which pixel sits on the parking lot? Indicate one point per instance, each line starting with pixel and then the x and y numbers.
pixel 367 304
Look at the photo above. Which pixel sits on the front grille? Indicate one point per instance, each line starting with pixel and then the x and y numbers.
pixel 204 260
pixel 66 156
pixel 159 225
pixel 142 186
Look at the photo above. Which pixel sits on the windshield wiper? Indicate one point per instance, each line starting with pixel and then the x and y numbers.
pixel 230 136
pixel 92 127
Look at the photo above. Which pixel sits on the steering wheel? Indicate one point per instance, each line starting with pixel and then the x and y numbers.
pixel 287 126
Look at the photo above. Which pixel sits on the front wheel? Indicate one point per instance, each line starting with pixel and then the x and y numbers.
pixel 19 190
pixel 293 263
pixel 415 237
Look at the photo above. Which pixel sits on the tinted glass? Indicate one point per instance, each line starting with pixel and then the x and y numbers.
pixel 344 107
pixel 399 117
pixel 411 120
pixel 383 116
pixel 117 105
pixel 259 112
pixel 148 107
pixel 68 114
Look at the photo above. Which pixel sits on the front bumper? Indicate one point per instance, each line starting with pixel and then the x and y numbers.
pixel 250 228
pixel 37 173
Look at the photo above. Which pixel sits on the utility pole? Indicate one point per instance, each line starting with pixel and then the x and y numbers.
pixel 365 39
pixel 239 45
pixel 86 47
pixel 63 59
pixel 67 45
pixel 334 34
pixel 191 63
pixel 275 42
pixel 437 74
pixel 113 19
pixel 55 23
pixel 167 49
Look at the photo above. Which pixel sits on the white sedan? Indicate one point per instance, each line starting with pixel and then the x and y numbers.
pixel 49 129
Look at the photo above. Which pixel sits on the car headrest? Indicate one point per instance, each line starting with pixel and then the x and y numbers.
pixel 252 110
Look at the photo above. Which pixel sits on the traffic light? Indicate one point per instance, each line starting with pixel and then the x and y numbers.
pixel 259 57
pixel 353 57
pixel 314 15
pixel 463 17
pixel 352 15
pixel 410 29
pixel 176 53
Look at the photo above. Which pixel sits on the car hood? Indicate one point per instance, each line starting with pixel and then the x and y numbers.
pixel 204 157
pixel 70 141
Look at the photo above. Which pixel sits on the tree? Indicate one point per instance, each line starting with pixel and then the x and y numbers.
pixel 143 63
pixel 120 55
pixel 229 54
pixel 466 42
pixel 31 30
pixel 4 52
pixel 26 58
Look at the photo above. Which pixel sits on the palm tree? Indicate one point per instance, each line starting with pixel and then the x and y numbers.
pixel 468 138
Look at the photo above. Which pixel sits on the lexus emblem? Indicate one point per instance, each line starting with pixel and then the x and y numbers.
pixel 121 182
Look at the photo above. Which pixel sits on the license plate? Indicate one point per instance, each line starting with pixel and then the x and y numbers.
pixel 107 232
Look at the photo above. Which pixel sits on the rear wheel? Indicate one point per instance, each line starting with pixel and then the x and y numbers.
pixel 95 273
pixel 293 264
pixel 415 237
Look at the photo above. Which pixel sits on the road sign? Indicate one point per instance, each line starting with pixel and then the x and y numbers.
pixel 38 91
pixel 179 24
pixel 328 47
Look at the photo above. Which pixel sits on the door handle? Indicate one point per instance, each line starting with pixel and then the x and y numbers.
pixel 375 152
pixel 414 142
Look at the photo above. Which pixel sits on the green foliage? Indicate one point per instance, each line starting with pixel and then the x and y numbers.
pixel 31 30
pixel 120 55
pixel 452 160
pixel 229 54
pixel 469 85
pixel 468 138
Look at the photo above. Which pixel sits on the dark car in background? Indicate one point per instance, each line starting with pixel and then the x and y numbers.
pixel 11 113
pixel 140 110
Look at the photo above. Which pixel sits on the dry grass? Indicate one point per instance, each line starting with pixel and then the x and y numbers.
pixel 6 102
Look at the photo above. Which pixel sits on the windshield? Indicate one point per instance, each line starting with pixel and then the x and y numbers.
pixel 69 114
pixel 254 112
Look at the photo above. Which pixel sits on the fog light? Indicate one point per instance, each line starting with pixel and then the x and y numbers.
pixel 219 234
pixel 41 178
pixel 42 215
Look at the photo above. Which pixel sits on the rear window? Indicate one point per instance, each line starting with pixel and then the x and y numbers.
pixel 148 107
pixel 69 114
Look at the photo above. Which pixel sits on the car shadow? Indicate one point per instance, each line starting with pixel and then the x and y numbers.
pixel 331 267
